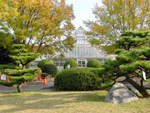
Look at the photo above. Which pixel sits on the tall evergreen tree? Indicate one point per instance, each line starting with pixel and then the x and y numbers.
pixel 16 71
pixel 132 60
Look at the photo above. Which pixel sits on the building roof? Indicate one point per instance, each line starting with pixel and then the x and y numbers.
pixel 83 48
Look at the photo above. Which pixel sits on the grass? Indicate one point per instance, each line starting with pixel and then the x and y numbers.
pixel 51 101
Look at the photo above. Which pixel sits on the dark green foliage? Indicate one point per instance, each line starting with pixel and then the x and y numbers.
pixel 43 62
pixel 133 58
pixel 4 66
pixel 76 79
pixel 72 63
pixel 8 83
pixel 94 63
pixel 20 72
pixel 106 85
pixel 93 70
pixel 16 55
pixel 28 76
pixel 4 56
pixel 106 82
pixel 50 68
pixel 132 39
pixel 16 71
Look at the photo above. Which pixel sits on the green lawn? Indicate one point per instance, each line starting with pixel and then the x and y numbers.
pixel 51 101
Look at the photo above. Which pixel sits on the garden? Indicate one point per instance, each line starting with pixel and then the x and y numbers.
pixel 80 88
pixel 29 30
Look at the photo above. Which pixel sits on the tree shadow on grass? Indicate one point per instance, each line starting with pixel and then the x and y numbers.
pixel 47 99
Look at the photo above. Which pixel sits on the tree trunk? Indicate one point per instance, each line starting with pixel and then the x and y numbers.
pixel 141 89
pixel 19 87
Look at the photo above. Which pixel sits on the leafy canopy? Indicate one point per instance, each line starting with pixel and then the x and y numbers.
pixel 40 24
pixel 115 17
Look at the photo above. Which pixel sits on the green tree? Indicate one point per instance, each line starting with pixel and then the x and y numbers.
pixel 16 71
pixel 115 17
pixel 39 24
pixel 132 60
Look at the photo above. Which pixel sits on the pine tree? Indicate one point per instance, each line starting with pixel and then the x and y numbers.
pixel 16 71
pixel 132 60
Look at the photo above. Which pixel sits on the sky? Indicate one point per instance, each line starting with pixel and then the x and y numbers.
pixel 83 10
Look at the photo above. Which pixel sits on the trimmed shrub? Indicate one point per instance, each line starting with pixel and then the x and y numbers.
pixel 106 82
pixel 72 63
pixel 50 69
pixel 43 62
pixel 76 79
pixel 94 63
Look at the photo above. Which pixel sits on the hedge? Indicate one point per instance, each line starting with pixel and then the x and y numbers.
pixel 94 63
pixel 77 79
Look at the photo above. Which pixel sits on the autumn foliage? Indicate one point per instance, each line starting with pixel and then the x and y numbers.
pixel 39 24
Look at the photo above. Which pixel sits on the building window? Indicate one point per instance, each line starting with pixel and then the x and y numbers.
pixel 80 41
pixel 61 64
pixel 81 63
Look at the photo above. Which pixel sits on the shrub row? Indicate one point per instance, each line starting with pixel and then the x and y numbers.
pixel 91 63
pixel 77 79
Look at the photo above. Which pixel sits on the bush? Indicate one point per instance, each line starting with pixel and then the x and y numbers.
pixel 94 63
pixel 43 62
pixel 50 69
pixel 72 63
pixel 76 79
pixel 106 83
pixel 91 69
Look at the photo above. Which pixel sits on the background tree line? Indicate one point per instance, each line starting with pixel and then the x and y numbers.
pixel 115 17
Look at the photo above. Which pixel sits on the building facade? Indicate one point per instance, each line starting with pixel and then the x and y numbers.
pixel 82 52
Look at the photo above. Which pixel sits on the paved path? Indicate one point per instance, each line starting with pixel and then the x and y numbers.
pixel 5 89
pixel 38 86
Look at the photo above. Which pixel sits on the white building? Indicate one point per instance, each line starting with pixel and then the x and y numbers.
pixel 82 52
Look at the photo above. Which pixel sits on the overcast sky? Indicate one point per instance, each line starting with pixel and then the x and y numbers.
pixel 83 10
